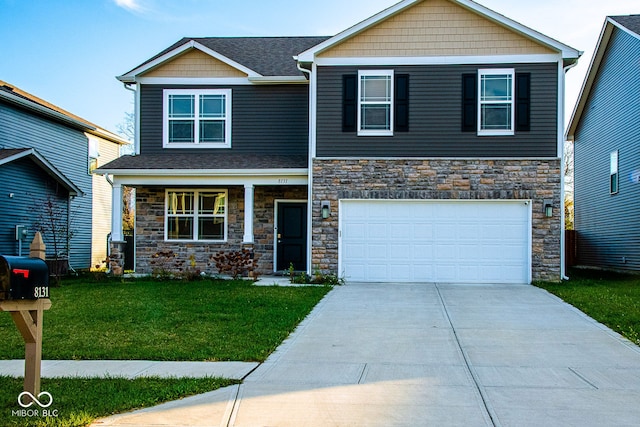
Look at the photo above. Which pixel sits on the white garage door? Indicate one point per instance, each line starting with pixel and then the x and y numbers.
pixel 435 241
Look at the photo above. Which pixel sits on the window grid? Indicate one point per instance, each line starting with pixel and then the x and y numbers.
pixel 375 99
pixel 197 118
pixel 496 110
pixel 194 215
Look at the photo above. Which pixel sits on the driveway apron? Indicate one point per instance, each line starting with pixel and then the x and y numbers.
pixel 430 354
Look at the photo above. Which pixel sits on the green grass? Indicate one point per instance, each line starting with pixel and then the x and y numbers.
pixel 172 320
pixel 610 298
pixel 79 401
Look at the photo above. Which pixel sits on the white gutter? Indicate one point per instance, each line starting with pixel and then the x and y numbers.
pixel 136 114
pixel 204 172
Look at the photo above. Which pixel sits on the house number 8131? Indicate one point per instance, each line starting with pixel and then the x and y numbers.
pixel 41 292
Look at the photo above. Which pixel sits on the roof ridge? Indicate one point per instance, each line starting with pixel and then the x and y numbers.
pixel 37 100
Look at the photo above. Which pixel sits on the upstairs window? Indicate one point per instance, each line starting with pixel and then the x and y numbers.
pixel 496 102
pixel 196 215
pixel 613 172
pixel 375 102
pixel 197 118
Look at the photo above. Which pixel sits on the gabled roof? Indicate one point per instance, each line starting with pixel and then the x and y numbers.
pixel 255 56
pixel 11 155
pixel 570 54
pixel 17 96
pixel 629 24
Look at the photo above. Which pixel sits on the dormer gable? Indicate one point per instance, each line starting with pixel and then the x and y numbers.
pixel 195 63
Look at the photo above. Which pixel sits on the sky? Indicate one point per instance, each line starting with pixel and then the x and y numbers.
pixel 69 52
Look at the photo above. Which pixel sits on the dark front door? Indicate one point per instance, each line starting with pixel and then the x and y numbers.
pixel 291 236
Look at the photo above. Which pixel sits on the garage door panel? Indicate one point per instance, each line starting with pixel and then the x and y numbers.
pixel 444 241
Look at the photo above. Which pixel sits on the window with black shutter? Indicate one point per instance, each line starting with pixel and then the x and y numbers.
pixel 523 101
pixel 349 102
pixel 402 103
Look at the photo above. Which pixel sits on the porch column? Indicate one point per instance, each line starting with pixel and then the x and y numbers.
pixel 248 213
pixel 116 213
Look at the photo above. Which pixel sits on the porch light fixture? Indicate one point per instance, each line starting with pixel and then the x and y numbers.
pixel 325 208
pixel 547 208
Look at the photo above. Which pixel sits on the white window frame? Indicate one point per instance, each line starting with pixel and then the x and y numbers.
pixel 376 132
pixel 196 215
pixel 197 93
pixel 614 176
pixel 511 102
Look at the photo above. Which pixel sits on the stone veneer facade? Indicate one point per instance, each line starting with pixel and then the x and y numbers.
pixel 150 211
pixel 440 179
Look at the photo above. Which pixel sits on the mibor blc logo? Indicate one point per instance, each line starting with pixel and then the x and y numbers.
pixel 26 400
pixel 34 400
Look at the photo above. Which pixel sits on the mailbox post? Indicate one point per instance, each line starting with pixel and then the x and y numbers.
pixel 24 293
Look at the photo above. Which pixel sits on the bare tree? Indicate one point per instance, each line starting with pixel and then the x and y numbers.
pixel 568 187
pixel 55 224
pixel 127 129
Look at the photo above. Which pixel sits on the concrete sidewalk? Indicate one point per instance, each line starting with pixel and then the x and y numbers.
pixel 131 368
pixel 425 354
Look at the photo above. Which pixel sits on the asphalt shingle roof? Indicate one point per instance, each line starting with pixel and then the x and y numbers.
pixel 268 56
pixel 631 22
pixel 206 161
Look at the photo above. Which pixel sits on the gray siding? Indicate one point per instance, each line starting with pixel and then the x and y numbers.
pixel 67 150
pixel 30 186
pixel 608 225
pixel 435 104
pixel 266 119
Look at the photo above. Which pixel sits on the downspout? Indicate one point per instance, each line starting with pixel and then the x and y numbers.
pixel 310 166
pixel 136 138
pixel 563 275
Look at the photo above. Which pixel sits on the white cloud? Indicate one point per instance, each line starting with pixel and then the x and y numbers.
pixel 132 5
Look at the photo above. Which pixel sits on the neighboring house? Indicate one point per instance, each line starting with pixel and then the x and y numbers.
pixel 46 158
pixel 605 130
pixel 422 144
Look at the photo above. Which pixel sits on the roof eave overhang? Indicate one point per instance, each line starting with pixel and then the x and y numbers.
pixel 131 76
pixel 204 172
pixel 592 71
pixel 47 167
pixel 278 80
pixel 198 177
pixel 44 111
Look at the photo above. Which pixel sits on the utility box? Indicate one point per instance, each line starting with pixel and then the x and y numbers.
pixel 23 278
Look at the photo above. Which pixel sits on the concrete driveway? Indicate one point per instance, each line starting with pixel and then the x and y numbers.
pixel 430 355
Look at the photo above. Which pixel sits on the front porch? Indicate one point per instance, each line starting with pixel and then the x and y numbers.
pixel 250 221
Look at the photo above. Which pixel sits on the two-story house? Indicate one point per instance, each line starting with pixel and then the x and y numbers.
pixel 422 144
pixel 605 130
pixel 47 155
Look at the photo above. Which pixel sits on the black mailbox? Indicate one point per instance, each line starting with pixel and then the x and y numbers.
pixel 23 278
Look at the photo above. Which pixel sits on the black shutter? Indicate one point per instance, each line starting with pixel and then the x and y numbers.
pixel 469 103
pixel 523 102
pixel 349 102
pixel 401 113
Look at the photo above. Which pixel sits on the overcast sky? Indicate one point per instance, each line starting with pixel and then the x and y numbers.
pixel 68 52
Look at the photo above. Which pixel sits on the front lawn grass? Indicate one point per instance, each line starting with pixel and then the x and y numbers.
pixel 207 320
pixel 79 401
pixel 612 299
